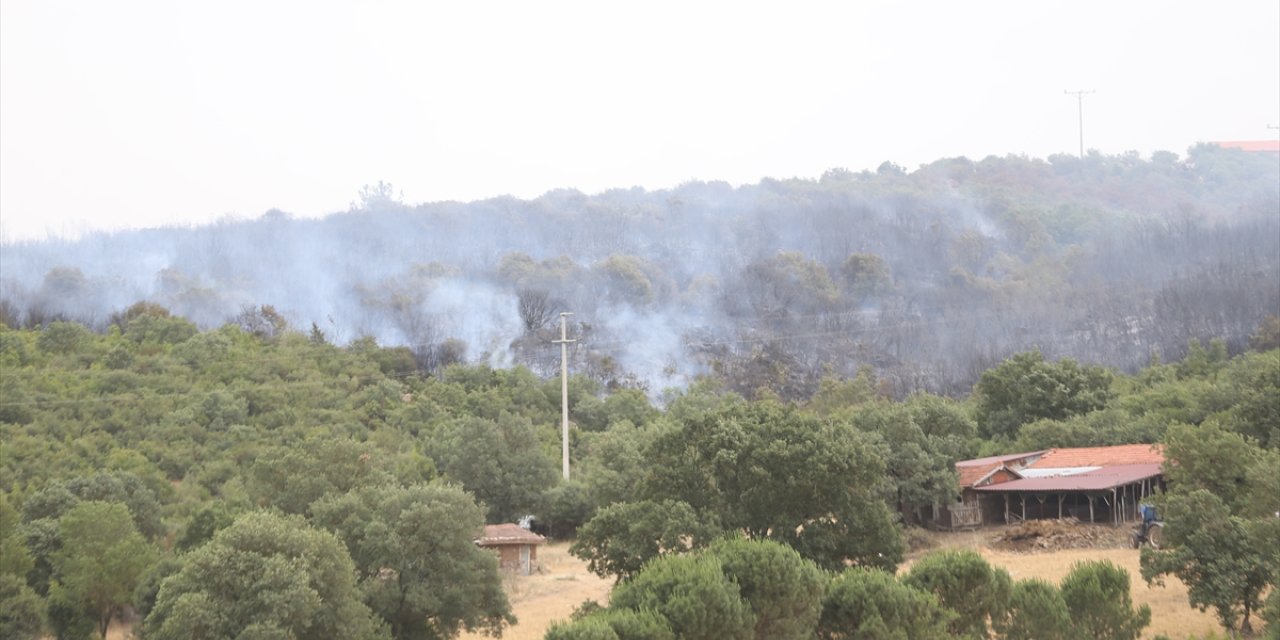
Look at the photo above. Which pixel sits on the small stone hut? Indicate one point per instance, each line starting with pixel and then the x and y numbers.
pixel 517 547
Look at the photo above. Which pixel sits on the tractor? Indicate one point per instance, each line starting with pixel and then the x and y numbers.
pixel 1150 531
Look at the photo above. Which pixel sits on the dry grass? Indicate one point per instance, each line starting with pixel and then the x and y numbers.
pixel 551 594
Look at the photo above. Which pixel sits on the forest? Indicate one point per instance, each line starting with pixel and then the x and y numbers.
pixel 227 483
pixel 293 428
pixel 929 277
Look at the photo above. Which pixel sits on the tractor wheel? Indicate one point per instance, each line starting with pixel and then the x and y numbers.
pixel 1155 537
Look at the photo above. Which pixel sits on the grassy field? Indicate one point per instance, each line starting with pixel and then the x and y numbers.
pixel 563 583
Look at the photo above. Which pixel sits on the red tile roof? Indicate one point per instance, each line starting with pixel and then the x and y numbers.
pixel 976 470
pixel 1127 458
pixel 499 534
pixel 1272 146
pixel 1125 454
pixel 1108 477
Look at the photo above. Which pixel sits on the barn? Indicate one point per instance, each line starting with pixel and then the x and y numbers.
pixel 517 547
pixel 1092 484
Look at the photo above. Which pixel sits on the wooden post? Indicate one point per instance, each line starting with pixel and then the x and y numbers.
pixel 1061 497
pixel 1090 508
pixel 1006 508
pixel 1023 497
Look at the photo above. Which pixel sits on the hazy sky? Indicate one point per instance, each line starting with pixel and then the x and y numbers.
pixel 133 114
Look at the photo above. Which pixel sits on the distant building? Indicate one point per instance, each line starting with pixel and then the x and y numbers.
pixel 516 546
pixel 1255 146
pixel 1095 484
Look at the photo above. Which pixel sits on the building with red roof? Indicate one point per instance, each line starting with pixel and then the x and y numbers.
pixel 1252 146
pixel 1100 484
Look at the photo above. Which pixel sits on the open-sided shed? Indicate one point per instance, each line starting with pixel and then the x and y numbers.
pixel 1096 484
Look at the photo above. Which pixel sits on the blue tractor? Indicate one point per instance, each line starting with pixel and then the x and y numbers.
pixel 1150 531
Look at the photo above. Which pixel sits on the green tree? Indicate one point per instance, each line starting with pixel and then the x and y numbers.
pixel 1211 458
pixel 921 468
pixel 21 609
pixel 15 560
pixel 1248 391
pixel 783 589
pixel 966 584
pixel 1098 601
pixel 204 524
pixel 693 594
pixel 265 576
pixel 621 538
pixel 102 560
pixel 1026 388
pixel 863 603
pixel 1036 611
pixel 613 462
pixel 613 624
pixel 291 478
pixel 565 507
pixel 127 489
pixel 419 567
pixel 63 338
pixel 500 461
pixel 1227 562
pixel 774 473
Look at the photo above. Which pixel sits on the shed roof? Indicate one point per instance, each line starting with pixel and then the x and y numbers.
pixel 500 534
pixel 990 460
pixel 975 471
pixel 1272 146
pixel 1125 454
pixel 1100 479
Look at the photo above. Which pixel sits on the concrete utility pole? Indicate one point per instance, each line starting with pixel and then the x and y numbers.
pixel 564 391
pixel 1080 104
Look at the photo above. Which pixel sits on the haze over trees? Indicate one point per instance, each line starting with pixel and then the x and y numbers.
pixel 929 277
pixel 263 471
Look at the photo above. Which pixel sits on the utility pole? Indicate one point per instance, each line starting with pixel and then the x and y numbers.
pixel 1080 105
pixel 564 391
